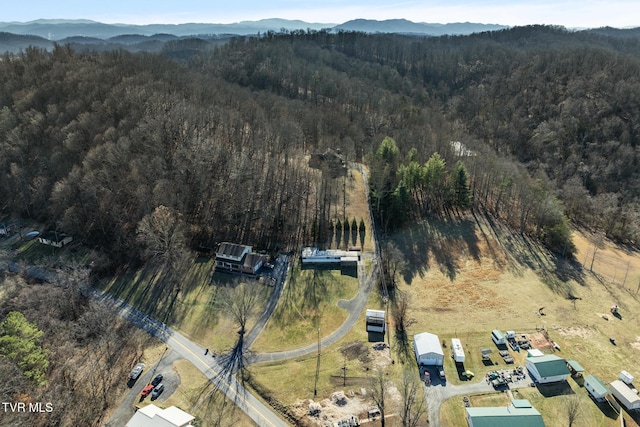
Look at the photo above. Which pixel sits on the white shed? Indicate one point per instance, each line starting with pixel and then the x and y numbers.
pixel 596 388
pixel 457 352
pixel 625 395
pixel 498 337
pixel 428 349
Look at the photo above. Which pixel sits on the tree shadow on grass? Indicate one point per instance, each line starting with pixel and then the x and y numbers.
pixel 521 251
pixel 443 241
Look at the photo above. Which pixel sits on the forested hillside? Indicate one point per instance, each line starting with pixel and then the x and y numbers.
pixel 217 138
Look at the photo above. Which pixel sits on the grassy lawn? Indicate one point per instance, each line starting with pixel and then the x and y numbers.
pixel 33 252
pixel 193 397
pixel 292 382
pixel 308 302
pixel 195 310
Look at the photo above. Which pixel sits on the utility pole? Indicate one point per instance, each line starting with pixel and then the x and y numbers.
pixel 344 373
pixel 315 386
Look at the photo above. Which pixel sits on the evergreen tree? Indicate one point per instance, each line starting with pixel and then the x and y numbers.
pixel 461 189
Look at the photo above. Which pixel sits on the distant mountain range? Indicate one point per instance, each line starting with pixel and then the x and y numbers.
pixel 43 33
pixel 58 29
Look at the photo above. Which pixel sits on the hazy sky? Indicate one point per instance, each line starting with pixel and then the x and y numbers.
pixel 570 13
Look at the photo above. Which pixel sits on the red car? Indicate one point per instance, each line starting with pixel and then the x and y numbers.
pixel 145 391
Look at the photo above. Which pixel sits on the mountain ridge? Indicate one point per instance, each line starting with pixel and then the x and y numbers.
pixel 59 29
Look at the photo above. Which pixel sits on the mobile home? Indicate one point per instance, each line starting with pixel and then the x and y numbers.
pixel 625 395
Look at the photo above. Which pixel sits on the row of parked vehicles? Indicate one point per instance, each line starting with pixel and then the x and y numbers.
pixel 154 388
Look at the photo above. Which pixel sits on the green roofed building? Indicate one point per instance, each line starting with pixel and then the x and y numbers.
pixel 548 368
pixel 596 388
pixel 519 414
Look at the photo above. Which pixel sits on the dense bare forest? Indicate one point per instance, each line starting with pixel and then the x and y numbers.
pixel 94 142
pixel 59 349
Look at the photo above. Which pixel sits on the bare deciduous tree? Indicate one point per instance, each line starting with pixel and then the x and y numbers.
pixel 573 406
pixel 378 392
pixel 162 234
pixel 240 303
pixel 413 404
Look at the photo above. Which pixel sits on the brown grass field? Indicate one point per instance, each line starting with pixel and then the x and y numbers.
pixel 469 277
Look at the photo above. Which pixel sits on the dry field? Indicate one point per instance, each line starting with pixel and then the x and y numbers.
pixel 468 277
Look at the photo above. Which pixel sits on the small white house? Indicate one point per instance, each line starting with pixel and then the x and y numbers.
pixel 53 238
pixel 596 388
pixel 428 349
pixel 625 395
pixel 151 415
pixel 498 337
pixel 5 229
pixel 547 369
pixel 457 352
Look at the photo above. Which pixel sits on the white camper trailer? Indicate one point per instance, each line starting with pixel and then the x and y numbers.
pixel 457 352
pixel 626 377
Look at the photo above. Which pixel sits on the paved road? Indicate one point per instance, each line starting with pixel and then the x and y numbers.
pixel 194 353
pixel 125 409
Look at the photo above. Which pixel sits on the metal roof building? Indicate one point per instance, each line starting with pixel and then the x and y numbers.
pixel 519 413
pixel 428 349
pixel 548 368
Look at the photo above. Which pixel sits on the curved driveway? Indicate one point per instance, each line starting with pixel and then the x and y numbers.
pixel 354 306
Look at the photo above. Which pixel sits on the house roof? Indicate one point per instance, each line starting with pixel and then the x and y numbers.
pixel 375 313
pixel 427 343
pixel 520 413
pixel 53 236
pixel 549 365
pixel 624 390
pixel 232 250
pixel 498 333
pixel 596 384
pixel 575 366
pixel 251 260
pixel 153 416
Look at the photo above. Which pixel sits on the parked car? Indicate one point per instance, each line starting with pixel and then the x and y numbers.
pixel 441 373
pixel 157 380
pixel 136 371
pixel 157 391
pixel 145 391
